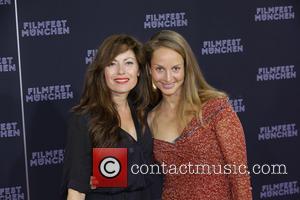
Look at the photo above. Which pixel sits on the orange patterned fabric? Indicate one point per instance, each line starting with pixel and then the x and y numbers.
pixel 217 142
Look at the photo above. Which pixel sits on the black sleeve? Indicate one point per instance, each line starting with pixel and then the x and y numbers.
pixel 77 159
pixel 156 186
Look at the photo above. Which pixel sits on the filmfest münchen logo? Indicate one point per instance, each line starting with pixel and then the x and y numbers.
pixel 274 13
pixel 49 93
pixel 278 131
pixel 281 72
pixel 283 190
pixel 224 46
pixel 110 167
pixel 165 20
pixel 45 28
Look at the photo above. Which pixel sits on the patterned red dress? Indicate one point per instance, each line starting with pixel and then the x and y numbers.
pixel 217 146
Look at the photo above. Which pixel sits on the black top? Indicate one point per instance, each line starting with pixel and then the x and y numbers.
pixel 77 168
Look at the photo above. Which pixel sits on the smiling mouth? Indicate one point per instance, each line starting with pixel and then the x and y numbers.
pixel 168 85
pixel 121 80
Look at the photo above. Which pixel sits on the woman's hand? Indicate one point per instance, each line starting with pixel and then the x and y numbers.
pixel 75 195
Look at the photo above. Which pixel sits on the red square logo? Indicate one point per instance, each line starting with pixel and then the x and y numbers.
pixel 110 167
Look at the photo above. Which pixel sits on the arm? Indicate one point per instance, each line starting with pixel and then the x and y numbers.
pixel 156 186
pixel 75 195
pixel 232 143
pixel 77 160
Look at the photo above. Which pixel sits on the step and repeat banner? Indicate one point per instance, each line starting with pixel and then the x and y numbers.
pixel 249 49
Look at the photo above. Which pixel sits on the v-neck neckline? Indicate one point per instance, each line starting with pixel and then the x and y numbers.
pixel 179 137
pixel 136 125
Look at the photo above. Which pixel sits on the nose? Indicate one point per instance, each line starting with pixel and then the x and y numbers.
pixel 121 69
pixel 168 76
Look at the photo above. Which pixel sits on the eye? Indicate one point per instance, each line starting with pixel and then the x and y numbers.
pixel 129 63
pixel 159 69
pixel 112 64
pixel 176 68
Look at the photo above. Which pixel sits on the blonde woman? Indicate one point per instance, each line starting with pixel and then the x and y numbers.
pixel 193 124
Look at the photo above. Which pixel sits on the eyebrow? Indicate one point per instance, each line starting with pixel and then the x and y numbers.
pixel 125 59
pixel 177 65
pixel 129 58
pixel 157 65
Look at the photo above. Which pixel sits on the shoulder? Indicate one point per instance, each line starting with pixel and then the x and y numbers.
pixel 77 124
pixel 215 105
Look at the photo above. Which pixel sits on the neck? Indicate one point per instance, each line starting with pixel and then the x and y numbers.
pixel 170 102
pixel 121 101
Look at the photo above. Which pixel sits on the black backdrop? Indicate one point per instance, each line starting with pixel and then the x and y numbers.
pixel 249 49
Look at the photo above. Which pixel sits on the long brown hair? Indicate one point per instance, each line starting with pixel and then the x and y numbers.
pixel 196 91
pixel 96 101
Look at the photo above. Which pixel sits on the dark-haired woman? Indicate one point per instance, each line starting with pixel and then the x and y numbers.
pixel 111 113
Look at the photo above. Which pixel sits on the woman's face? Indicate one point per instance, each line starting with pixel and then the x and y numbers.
pixel 167 71
pixel 121 75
